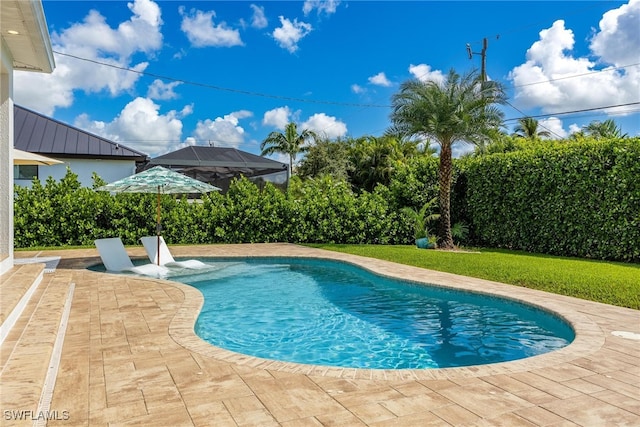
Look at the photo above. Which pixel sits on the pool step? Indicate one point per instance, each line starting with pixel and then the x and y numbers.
pixel 16 286
pixel 27 353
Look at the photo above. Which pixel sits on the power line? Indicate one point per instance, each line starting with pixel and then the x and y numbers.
pixel 539 124
pixel 578 75
pixel 220 88
pixel 287 98
pixel 293 99
pixel 576 111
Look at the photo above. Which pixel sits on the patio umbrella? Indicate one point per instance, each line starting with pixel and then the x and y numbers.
pixel 26 158
pixel 158 180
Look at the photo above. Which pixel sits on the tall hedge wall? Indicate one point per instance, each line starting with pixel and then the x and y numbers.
pixel 578 199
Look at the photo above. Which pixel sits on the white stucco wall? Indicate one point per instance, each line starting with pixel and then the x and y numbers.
pixel 108 170
pixel 29 50
pixel 6 158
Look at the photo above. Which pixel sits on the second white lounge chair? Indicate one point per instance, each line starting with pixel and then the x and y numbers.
pixel 150 244
pixel 115 258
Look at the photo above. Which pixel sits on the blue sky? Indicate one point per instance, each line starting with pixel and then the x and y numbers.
pixel 228 73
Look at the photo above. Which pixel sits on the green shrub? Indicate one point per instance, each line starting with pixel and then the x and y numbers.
pixel 317 210
pixel 579 199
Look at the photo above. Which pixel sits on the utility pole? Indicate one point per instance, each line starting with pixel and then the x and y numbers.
pixel 483 54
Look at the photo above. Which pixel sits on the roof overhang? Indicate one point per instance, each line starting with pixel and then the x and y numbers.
pixel 214 163
pixel 24 31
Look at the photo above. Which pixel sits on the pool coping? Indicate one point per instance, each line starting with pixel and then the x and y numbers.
pixel 589 338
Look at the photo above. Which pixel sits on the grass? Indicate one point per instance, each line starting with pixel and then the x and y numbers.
pixel 607 282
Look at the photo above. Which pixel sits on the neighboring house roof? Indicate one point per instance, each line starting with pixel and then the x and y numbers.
pixel 216 156
pixel 37 133
pixel 218 165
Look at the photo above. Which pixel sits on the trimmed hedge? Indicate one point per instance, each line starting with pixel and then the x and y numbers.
pixel 578 199
pixel 318 210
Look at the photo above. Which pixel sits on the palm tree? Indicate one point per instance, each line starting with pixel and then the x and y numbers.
pixel 527 128
pixel 460 109
pixel 375 159
pixel 604 130
pixel 290 142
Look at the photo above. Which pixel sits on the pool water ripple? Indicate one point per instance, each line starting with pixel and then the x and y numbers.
pixel 329 313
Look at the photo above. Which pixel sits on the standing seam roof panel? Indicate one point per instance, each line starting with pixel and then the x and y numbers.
pixel 83 143
pixel 71 141
pixel 37 137
pixel 31 133
pixel 59 140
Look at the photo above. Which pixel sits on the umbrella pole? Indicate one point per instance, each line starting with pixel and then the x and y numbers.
pixel 158 228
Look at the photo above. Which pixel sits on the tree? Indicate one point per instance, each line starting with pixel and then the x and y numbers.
pixel 603 130
pixel 458 109
pixel 375 159
pixel 327 157
pixel 290 142
pixel 527 128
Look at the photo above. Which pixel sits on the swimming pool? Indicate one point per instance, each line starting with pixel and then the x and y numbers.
pixel 323 312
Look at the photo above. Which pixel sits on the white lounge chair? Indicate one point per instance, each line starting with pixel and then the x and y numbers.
pixel 150 244
pixel 115 258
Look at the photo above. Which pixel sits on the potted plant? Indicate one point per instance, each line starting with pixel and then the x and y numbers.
pixel 421 220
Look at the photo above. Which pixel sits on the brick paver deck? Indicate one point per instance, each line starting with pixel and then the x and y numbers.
pixel 131 358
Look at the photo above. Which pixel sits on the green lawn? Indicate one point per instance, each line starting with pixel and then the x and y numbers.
pixel 607 282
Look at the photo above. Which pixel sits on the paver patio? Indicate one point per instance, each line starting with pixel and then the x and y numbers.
pixel 130 357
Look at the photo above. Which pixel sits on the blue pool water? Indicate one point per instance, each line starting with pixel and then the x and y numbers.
pixel 330 313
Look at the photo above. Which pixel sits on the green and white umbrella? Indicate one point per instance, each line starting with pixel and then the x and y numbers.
pixel 158 180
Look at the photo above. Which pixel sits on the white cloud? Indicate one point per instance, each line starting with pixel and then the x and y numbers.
pixel 42 92
pixel 380 79
pixel 326 126
pixel 141 33
pixel 278 117
pixel 140 126
pixel 258 19
pixel 93 39
pixel 357 89
pixel 574 128
pixel 423 73
pixel 554 126
pixel 222 131
pixel 327 7
pixel 161 90
pixel 203 32
pixel 290 33
pixel 555 81
pixel 618 40
pixel 280 157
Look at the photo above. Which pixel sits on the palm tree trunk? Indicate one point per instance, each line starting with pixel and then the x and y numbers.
pixel 445 171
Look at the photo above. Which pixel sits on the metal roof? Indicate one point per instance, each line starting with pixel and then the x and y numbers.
pixel 201 156
pixel 37 133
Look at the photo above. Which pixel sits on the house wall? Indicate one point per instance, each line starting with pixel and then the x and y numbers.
pixel 6 159
pixel 108 170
